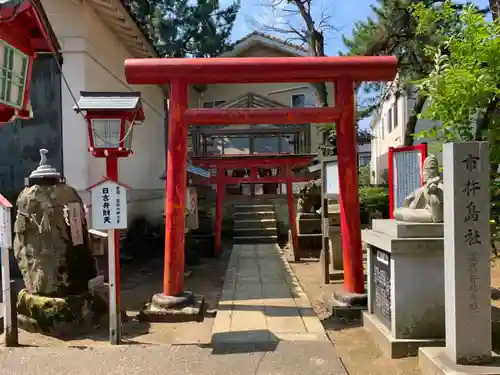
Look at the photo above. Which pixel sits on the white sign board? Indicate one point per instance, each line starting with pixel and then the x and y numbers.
pixel 407 172
pixel 5 228
pixel 331 178
pixel 75 213
pixel 109 206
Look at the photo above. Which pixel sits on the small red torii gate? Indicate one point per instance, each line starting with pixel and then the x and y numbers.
pixel 179 73
pixel 283 161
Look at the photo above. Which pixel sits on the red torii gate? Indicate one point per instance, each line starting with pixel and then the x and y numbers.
pixel 283 161
pixel 344 72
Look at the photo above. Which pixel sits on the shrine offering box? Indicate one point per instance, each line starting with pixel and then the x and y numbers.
pixel 405 286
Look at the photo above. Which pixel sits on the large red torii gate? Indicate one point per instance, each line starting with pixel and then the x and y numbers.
pixel 344 72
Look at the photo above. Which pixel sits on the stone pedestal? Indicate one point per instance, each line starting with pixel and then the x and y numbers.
pixel 167 309
pixel 335 246
pixel 308 223
pixel 405 286
pixel 309 234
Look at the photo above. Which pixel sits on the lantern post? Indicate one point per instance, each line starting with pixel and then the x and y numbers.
pixel 110 118
pixel 24 32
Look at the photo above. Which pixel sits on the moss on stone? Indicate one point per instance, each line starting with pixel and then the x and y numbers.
pixel 52 313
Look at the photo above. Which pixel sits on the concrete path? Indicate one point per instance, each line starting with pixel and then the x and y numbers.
pixel 287 359
pixel 262 301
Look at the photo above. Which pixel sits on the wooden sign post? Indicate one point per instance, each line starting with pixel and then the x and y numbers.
pixel 329 190
pixel 10 327
pixel 109 212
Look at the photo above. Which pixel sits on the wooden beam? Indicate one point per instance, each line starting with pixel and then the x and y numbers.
pixel 249 161
pixel 245 116
pixel 260 69
pixel 228 180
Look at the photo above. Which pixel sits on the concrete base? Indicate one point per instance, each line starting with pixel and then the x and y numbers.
pixel 336 275
pixel 435 361
pixel 390 346
pixel 346 305
pixel 190 310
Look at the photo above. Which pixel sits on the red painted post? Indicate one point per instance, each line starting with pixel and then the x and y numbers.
pixel 350 221
pixel 176 190
pixel 112 173
pixel 291 213
pixel 219 212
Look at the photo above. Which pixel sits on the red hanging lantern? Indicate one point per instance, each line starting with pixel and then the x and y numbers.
pixel 24 31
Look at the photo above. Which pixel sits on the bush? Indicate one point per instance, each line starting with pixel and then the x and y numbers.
pixel 373 198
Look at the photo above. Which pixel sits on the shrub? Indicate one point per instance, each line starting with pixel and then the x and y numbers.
pixel 373 198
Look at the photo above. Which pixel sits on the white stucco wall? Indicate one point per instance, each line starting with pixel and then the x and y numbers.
pixel 93 61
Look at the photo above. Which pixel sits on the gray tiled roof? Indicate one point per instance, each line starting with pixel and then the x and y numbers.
pixel 193 170
pixel 108 100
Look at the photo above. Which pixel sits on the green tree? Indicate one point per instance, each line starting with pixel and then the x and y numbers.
pixel 186 28
pixel 464 85
pixel 392 30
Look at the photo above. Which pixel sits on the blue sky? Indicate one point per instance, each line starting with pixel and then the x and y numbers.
pixel 344 14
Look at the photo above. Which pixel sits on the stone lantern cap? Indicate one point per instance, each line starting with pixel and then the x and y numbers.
pixel 44 170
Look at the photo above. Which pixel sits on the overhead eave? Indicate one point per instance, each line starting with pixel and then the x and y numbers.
pixel 117 18
pixel 253 40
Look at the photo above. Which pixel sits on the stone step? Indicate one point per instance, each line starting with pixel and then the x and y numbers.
pixel 254 223
pixel 255 232
pixel 253 207
pixel 253 215
pixel 255 239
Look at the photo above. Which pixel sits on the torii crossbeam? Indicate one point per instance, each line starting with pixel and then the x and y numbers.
pixel 179 73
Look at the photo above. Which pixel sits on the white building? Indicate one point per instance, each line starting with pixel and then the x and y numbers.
pixel 96 38
pixel 388 129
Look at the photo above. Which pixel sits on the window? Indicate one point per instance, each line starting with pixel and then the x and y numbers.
pixel 364 160
pixel 13 75
pixel 395 113
pixel 389 121
pixel 213 104
pixel 298 100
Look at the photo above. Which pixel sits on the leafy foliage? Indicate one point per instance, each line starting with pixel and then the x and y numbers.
pixel 466 72
pixel 464 86
pixel 371 199
pixel 185 28
pixel 364 175
pixel 393 30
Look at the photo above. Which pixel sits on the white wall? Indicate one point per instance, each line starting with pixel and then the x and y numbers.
pixel 384 138
pixel 93 61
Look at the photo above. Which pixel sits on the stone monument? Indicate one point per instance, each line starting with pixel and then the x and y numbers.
pixel 467 266
pixel 53 251
pixel 406 272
